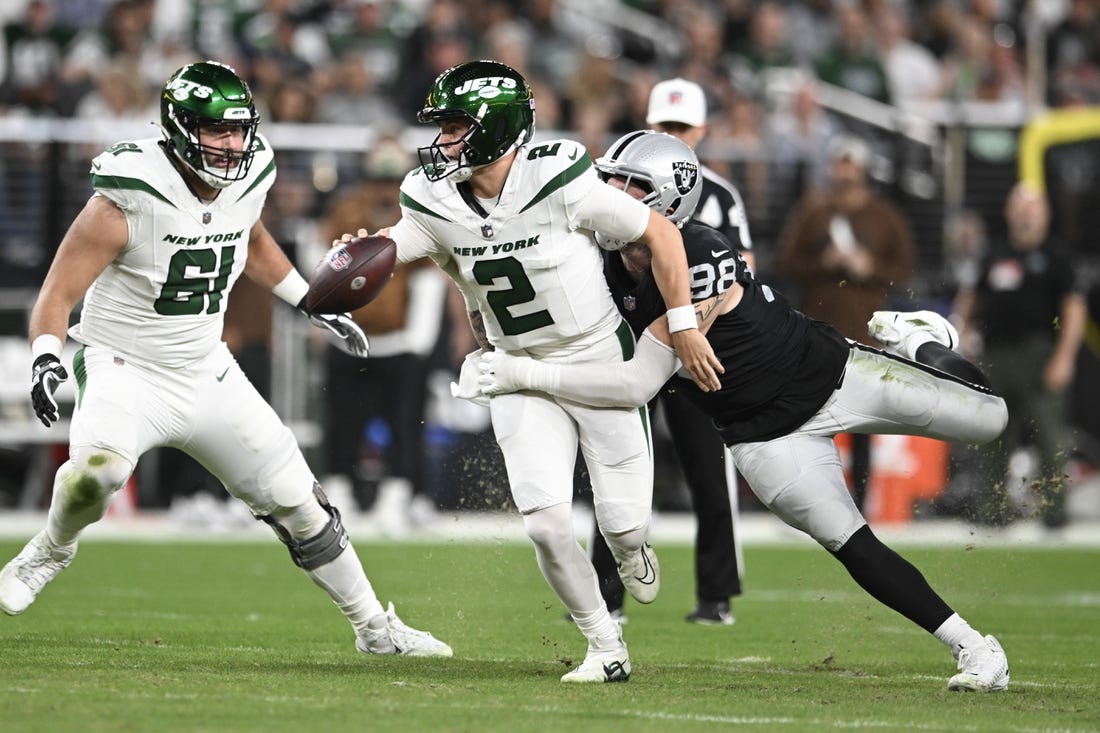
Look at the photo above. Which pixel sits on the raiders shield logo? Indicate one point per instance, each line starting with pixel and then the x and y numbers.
pixel 684 174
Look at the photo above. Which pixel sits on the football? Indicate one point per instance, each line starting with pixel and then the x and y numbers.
pixel 351 275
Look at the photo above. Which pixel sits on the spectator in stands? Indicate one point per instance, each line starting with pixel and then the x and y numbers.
pixel 352 95
pixel 797 136
pixel 767 50
pixel 364 29
pixel 913 73
pixel 124 36
pixel 1073 56
pixel 35 51
pixel 813 23
pixel 703 55
pixel 440 41
pixel 982 68
pixel 737 149
pixel 281 46
pixel 1029 311
pixel 853 62
pixel 120 96
pixel 844 249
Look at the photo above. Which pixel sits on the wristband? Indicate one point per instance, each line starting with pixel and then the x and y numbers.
pixel 681 318
pixel 47 343
pixel 292 288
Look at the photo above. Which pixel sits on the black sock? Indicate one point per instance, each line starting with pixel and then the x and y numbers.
pixel 892 580
pixel 938 356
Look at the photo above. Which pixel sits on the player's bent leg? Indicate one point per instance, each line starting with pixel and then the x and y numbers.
pixel 568 570
pixel 617 451
pixel 319 544
pixel 83 488
pixel 800 479
pixel 572 577
pixel 885 395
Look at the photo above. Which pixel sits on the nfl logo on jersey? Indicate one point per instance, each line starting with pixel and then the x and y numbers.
pixel 630 302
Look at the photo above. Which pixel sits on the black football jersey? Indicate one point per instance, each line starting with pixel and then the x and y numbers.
pixel 781 366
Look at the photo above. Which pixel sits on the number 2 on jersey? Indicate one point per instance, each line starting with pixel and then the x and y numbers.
pixel 519 292
pixel 193 276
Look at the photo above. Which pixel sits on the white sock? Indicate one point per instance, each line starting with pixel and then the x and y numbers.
pixel 600 629
pixel 916 340
pixel 346 583
pixel 568 571
pixel 957 634
pixel 343 578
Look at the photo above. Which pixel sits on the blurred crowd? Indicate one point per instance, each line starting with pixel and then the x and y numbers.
pixel 764 66
pixel 591 64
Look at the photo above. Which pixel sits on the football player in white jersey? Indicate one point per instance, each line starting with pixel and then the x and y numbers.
pixel 512 222
pixel 793 383
pixel 154 254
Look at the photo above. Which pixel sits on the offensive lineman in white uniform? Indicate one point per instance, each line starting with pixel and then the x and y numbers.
pixel 512 223
pixel 154 254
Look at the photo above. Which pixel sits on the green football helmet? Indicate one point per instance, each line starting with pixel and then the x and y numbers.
pixel 498 103
pixel 208 94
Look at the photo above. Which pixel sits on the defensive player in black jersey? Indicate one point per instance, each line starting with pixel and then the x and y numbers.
pixel 789 385
pixel 679 108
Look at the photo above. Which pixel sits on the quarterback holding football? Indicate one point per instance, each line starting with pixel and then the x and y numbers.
pixel 513 223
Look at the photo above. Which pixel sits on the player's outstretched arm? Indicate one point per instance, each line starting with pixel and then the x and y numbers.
pixel 630 384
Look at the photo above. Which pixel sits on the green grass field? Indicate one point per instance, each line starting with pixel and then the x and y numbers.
pixel 231 637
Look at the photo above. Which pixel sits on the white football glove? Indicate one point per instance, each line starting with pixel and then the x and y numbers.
pixel 467 386
pixel 346 334
pixel 46 375
pixel 502 373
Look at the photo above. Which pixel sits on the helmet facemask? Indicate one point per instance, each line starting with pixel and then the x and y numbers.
pixel 461 164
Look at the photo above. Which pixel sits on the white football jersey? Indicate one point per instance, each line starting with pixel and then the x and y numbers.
pixel 163 298
pixel 532 266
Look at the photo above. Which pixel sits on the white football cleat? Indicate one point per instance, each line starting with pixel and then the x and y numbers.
pixel 26 575
pixel 602 665
pixel 641 575
pixel 902 333
pixel 981 669
pixel 392 636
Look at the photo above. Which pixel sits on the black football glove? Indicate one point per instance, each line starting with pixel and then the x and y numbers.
pixel 348 336
pixel 46 374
